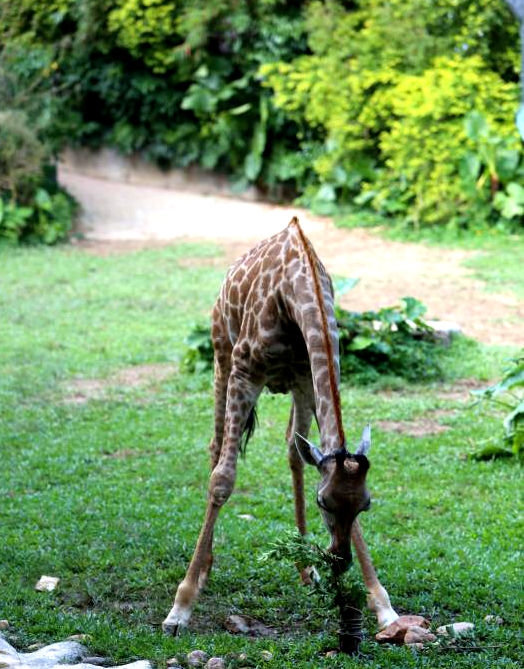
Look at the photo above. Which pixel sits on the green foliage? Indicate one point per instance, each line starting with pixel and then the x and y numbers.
pixel 199 354
pixel 388 90
pixel 21 154
pixel 32 207
pixel 509 394
pixel 13 220
pixel 333 589
pixel 392 341
pixel 361 103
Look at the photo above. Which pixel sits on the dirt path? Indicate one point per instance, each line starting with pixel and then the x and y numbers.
pixel 117 217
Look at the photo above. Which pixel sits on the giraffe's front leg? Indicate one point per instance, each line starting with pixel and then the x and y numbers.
pixel 220 488
pixel 241 399
pixel 378 599
pixel 188 590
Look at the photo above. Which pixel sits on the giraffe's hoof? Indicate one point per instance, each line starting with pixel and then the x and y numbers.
pixel 170 628
pixel 176 620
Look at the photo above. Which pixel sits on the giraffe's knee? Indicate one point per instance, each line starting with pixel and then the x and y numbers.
pixel 221 486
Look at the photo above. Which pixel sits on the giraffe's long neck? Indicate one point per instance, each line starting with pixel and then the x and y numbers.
pixel 316 316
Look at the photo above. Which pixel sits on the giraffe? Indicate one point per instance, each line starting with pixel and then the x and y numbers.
pixel 274 326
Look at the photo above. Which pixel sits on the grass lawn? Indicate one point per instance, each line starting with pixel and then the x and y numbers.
pixel 107 489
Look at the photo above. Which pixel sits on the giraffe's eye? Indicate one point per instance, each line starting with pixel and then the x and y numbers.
pixel 321 501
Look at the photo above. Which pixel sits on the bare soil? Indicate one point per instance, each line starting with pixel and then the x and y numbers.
pixel 122 217
pixel 80 391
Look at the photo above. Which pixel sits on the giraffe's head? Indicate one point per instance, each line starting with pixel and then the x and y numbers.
pixel 342 492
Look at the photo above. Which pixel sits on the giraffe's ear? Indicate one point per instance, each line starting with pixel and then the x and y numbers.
pixel 365 441
pixel 309 453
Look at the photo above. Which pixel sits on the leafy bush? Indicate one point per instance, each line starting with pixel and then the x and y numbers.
pixel 360 103
pixel 508 393
pixel 21 155
pixel 199 352
pixel 32 207
pixel 443 164
pixel 390 341
pixel 388 90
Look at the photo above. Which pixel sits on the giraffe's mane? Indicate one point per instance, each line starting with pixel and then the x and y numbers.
pixel 328 346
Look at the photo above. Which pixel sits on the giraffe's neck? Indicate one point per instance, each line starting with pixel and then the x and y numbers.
pixel 315 315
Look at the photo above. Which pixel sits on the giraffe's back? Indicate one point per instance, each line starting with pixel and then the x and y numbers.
pixel 260 306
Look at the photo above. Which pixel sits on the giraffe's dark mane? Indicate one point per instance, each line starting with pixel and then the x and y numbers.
pixel 328 346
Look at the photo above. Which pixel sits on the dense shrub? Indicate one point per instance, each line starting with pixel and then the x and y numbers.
pixel 32 207
pixel 355 102
pixel 389 88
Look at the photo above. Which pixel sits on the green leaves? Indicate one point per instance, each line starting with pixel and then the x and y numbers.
pixel 509 394
pixel 392 340
pixel 511 202
pixel 13 219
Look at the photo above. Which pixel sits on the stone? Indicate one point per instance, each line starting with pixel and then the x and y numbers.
pixel 215 663
pixel 490 619
pixel 55 656
pixel 47 583
pixel 4 624
pixel 418 635
pixel 173 663
pixel 197 658
pixel 96 660
pixel 456 629
pixel 266 655
pixel 237 624
pixel 397 630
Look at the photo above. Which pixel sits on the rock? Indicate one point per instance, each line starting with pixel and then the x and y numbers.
pixel 54 656
pixel 196 658
pixel 246 516
pixel 47 583
pixel 456 629
pixel 266 655
pixel 215 663
pixel 173 663
pixel 397 630
pixel 4 624
pixel 96 660
pixel 490 619
pixel 237 624
pixel 418 635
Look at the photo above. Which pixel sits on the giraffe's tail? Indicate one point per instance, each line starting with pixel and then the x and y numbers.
pixel 248 430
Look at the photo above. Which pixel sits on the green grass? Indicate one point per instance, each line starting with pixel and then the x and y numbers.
pixel 108 494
